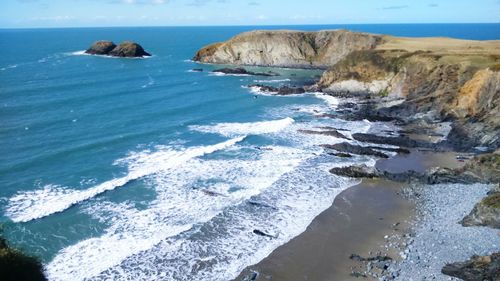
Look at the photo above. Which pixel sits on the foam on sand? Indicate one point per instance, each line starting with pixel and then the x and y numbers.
pixel 30 205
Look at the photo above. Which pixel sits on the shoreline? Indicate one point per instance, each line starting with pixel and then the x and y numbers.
pixel 368 231
pixel 355 224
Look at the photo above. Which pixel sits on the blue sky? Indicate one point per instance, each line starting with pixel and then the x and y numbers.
pixel 78 13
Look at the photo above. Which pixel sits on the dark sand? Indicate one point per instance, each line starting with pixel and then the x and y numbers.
pixel 356 223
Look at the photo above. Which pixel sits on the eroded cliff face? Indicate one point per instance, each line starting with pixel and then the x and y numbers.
pixel 465 89
pixel 288 48
pixel 445 78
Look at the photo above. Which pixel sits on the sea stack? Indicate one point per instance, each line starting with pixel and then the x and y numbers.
pixel 101 48
pixel 127 49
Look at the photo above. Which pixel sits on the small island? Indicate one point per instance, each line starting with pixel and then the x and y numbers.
pixel 126 49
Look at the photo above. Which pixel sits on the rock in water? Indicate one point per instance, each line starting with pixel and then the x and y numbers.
pixel 242 71
pixel 129 49
pixel 101 48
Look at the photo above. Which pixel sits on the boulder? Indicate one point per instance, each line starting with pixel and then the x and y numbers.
pixel 485 213
pixel 129 49
pixel 478 268
pixel 362 171
pixel 101 48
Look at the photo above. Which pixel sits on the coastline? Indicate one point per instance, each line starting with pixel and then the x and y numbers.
pixel 356 223
pixel 372 219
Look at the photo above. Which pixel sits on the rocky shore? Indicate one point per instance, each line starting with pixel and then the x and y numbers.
pixel 444 95
pixel 429 79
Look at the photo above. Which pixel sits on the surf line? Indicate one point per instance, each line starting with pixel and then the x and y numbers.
pixel 28 206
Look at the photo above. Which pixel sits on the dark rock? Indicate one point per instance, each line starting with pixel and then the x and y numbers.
pixel 398 141
pixel 261 204
pixel 197 69
pixel 397 150
pixel 331 132
pixel 281 91
pixel 261 233
pixel 16 266
pixel 129 49
pixel 242 71
pixel 355 149
pixel 477 268
pixel 101 48
pixel 485 213
pixel 362 171
pixel 251 277
pixel 341 155
pixel 379 258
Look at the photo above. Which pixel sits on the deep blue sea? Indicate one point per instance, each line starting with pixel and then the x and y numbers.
pixel 140 169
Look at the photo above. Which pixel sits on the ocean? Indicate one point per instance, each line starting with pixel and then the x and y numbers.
pixel 141 169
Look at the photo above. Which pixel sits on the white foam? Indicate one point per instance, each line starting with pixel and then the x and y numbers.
pixel 199 226
pixel 228 74
pixel 30 205
pixel 331 101
pixel 179 190
pixel 78 53
pixel 251 128
pixel 83 53
pixel 224 245
pixel 9 67
pixel 272 81
pixel 151 82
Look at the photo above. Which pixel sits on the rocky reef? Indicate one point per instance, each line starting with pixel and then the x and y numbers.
pixel 126 49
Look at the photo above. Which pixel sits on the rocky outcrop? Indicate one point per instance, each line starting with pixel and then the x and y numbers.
pixel 125 49
pixel 288 48
pixel 446 87
pixel 356 149
pixel 443 78
pixel 15 266
pixel 485 213
pixel 242 71
pixel 279 91
pixel 477 268
pixel 101 48
pixel 129 49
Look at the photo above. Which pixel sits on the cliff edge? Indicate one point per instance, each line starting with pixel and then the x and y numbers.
pixel 439 78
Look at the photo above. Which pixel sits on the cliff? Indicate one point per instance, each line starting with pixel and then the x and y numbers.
pixel 285 48
pixel 448 79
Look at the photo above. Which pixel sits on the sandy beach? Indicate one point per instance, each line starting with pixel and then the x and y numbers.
pixel 369 219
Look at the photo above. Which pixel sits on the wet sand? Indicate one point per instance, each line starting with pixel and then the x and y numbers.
pixel 356 223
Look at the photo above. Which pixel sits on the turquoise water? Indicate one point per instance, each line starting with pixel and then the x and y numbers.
pixel 157 168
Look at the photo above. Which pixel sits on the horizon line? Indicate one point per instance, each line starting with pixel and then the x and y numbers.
pixel 247 25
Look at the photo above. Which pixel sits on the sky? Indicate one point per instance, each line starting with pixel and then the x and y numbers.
pixel 94 13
